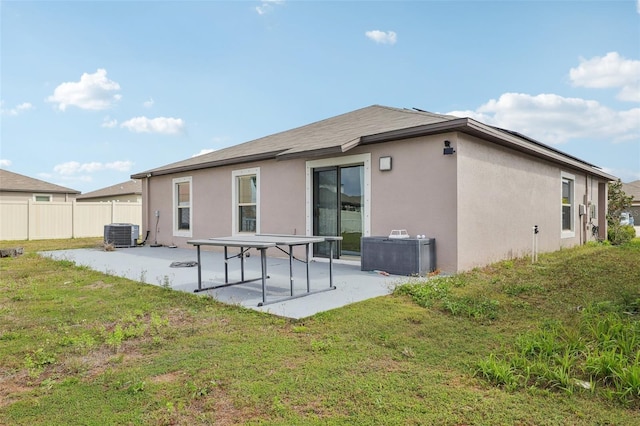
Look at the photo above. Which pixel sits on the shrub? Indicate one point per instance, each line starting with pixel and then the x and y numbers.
pixel 621 234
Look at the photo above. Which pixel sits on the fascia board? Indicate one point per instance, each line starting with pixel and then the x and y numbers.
pixel 206 165
pixel 411 132
pixel 350 144
pixel 291 155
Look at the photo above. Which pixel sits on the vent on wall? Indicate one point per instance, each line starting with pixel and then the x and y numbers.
pixel 121 234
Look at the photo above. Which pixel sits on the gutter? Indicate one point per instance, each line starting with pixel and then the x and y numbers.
pixel 42 191
pixel 207 165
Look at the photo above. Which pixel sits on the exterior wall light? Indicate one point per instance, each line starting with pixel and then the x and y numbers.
pixel 448 149
pixel 385 163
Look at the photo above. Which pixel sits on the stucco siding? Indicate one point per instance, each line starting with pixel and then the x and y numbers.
pixel 131 198
pixel 282 201
pixel 418 194
pixel 480 203
pixel 503 194
pixel 29 196
pixel 283 197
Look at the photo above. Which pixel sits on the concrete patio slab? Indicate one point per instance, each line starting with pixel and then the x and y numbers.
pixel 152 265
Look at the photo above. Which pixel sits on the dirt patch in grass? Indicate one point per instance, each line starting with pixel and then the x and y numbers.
pixel 166 378
pixel 98 285
pixel 12 386
pixel 226 413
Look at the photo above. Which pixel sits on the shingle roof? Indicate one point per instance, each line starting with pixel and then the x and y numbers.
pixel 373 124
pixel 14 182
pixel 633 189
pixel 325 135
pixel 125 188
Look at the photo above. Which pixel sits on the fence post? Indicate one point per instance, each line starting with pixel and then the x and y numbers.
pixel 31 221
pixel 73 218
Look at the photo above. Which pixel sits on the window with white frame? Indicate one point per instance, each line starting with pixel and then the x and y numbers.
pixel 568 205
pixel 42 197
pixel 182 207
pixel 246 201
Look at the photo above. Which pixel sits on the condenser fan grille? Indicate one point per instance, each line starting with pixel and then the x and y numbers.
pixel 121 234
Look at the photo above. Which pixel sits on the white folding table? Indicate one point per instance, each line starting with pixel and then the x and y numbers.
pixel 262 242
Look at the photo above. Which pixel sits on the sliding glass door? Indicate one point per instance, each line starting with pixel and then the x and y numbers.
pixel 338 199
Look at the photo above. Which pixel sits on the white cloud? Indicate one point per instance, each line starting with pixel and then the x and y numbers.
pixel 625 175
pixel 202 152
pixel 554 119
pixel 149 103
pixel 25 106
pixel 93 92
pixel 74 167
pixel 609 71
pixel 4 163
pixel 120 166
pixel 389 37
pixel 109 123
pixel 267 5
pixel 163 125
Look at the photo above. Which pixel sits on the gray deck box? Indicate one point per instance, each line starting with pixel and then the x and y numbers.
pixel 398 256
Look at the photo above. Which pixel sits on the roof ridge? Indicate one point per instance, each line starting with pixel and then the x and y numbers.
pixel 212 154
pixel 419 111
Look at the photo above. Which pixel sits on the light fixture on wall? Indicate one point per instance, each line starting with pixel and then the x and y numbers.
pixel 385 163
pixel 448 149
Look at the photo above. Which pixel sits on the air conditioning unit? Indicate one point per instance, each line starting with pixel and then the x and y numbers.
pixel 121 234
pixel 398 256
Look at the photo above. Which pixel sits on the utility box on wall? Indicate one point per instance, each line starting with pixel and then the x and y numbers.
pixel 398 256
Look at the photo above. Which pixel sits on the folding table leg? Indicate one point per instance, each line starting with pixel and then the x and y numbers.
pixel 241 263
pixel 263 260
pixel 291 268
pixel 226 266
pixel 199 269
pixel 307 262
pixel 331 263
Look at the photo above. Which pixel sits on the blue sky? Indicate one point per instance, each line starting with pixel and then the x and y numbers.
pixel 93 92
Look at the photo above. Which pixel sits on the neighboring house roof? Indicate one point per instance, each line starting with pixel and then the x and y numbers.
pixel 373 124
pixel 14 182
pixel 131 187
pixel 632 189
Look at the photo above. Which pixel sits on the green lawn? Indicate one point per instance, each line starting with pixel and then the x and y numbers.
pixel 80 347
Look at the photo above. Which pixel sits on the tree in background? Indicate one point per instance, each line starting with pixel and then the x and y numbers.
pixel 618 203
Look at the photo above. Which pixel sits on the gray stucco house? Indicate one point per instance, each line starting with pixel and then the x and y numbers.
pixel 130 191
pixel 17 187
pixel 633 189
pixel 477 189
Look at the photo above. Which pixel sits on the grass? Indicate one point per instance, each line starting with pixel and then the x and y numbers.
pixel 512 343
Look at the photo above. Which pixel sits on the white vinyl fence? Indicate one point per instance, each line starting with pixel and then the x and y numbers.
pixel 31 220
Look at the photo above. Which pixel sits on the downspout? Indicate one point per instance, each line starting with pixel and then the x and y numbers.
pixel 584 219
pixel 146 204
